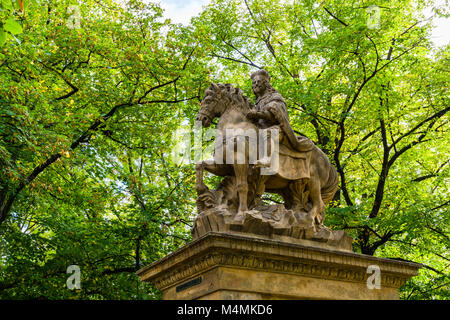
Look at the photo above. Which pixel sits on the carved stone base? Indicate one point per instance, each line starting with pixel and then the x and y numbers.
pixel 228 266
pixel 272 222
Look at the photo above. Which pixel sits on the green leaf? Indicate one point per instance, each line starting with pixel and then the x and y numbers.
pixel 12 26
pixel 7 4
pixel 2 37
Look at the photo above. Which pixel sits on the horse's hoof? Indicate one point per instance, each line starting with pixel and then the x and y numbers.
pixel 239 217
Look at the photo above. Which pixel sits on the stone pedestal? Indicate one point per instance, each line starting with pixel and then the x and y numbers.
pixel 230 266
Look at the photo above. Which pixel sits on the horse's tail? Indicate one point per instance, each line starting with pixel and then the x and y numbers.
pixel 330 187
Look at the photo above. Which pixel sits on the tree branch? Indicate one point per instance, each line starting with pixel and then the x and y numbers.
pixel 336 18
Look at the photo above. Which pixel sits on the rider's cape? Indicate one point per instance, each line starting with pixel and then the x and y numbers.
pixel 293 164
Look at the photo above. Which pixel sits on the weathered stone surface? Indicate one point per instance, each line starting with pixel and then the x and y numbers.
pixel 229 266
pixel 271 222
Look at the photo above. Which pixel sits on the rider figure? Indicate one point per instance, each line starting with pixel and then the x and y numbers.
pixel 271 111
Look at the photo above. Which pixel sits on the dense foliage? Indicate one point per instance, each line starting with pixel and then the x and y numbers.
pixel 90 98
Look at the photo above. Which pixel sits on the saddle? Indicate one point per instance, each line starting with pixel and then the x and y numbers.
pixel 293 164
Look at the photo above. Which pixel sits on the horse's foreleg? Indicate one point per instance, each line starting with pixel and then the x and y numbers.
pixel 241 172
pixel 260 188
pixel 318 207
pixel 200 186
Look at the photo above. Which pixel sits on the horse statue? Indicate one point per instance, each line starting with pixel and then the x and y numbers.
pixel 308 187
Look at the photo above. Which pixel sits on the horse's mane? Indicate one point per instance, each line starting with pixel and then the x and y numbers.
pixel 234 95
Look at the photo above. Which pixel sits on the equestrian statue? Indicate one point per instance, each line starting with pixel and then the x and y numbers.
pixel 256 151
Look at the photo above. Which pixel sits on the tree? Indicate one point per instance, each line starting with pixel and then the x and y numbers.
pixel 87 115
